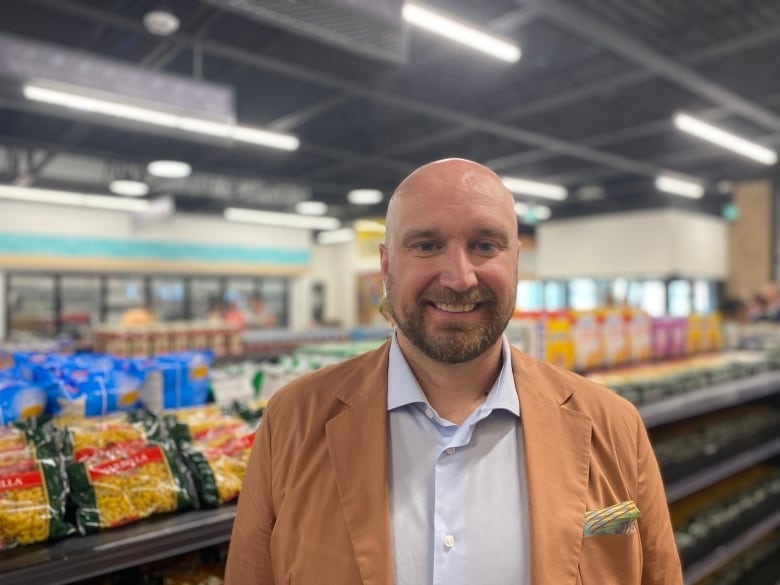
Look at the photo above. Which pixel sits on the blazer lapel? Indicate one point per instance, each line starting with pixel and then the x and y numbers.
pixel 357 444
pixel 557 456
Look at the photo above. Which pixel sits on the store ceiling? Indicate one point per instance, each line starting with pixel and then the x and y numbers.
pixel 588 106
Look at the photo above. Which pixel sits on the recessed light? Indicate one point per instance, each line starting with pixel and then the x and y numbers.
pixel 169 169
pixel 364 196
pixel 161 22
pixel 128 188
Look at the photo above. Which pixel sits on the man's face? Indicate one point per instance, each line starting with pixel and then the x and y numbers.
pixel 450 264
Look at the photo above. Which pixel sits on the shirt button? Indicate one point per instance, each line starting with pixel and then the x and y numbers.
pixel 428 413
pixel 451 451
pixel 449 541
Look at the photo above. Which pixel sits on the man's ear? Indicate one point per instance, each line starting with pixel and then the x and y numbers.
pixel 383 265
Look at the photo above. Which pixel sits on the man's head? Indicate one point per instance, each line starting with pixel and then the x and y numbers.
pixel 449 261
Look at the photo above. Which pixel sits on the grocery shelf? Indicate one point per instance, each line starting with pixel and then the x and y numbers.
pixel 80 557
pixel 710 398
pixel 729 550
pixel 679 489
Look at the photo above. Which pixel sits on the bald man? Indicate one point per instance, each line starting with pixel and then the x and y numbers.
pixel 447 456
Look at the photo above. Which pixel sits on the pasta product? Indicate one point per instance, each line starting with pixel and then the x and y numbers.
pixel 28 442
pixel 31 501
pixel 208 426
pixel 219 471
pixel 127 487
pixel 104 437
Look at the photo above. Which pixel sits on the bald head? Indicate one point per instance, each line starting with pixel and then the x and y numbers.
pixel 451 178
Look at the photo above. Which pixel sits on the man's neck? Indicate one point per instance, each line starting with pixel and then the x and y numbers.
pixel 454 390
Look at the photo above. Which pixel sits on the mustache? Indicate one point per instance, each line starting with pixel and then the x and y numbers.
pixel 450 297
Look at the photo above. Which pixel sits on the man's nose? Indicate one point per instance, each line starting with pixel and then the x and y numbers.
pixel 457 270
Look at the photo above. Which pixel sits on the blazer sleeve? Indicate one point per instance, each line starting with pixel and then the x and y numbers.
pixel 249 552
pixel 661 562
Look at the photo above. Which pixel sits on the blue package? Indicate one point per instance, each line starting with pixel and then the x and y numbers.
pixel 174 380
pixel 20 399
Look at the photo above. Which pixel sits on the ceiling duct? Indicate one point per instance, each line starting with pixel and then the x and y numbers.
pixel 371 28
pixel 24 61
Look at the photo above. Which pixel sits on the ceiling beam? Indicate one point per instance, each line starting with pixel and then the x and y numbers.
pixel 632 133
pixel 433 111
pixel 577 94
pixel 572 18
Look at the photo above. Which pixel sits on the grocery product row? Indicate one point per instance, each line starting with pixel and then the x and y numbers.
pixel 155 537
pixel 98 421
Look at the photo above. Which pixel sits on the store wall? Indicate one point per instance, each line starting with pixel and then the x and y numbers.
pixel 654 243
pixel 750 240
pixel 527 262
pixel 334 267
pixel 48 237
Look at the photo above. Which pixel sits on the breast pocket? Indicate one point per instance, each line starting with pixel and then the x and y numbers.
pixel 611 559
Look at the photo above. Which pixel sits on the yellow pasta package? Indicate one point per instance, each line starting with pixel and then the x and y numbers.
pixel 218 469
pixel 32 504
pixel 119 487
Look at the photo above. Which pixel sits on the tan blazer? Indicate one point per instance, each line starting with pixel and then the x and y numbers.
pixel 314 505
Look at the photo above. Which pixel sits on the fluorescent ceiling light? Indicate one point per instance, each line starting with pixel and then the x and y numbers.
pixel 679 186
pixel 71 198
pixel 336 236
pixel 443 25
pixel 534 188
pixel 537 212
pixel 169 169
pixel 83 103
pixel 724 139
pixel 364 196
pixel 128 188
pixel 311 208
pixel 281 219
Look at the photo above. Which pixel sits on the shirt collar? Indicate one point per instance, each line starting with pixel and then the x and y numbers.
pixel 403 389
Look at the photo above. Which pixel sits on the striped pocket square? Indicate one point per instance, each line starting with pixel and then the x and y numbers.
pixel 617 519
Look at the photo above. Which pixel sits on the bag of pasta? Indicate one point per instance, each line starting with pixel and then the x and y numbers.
pixel 202 424
pixel 116 487
pixel 113 434
pixel 218 467
pixel 32 499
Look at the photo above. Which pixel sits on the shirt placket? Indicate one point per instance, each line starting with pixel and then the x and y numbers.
pixel 449 530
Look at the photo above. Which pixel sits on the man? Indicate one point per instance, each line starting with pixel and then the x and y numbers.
pixel 446 456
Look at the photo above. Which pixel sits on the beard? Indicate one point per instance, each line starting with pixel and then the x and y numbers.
pixel 452 343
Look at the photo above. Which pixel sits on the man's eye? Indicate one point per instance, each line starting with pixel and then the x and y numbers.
pixel 485 246
pixel 426 246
